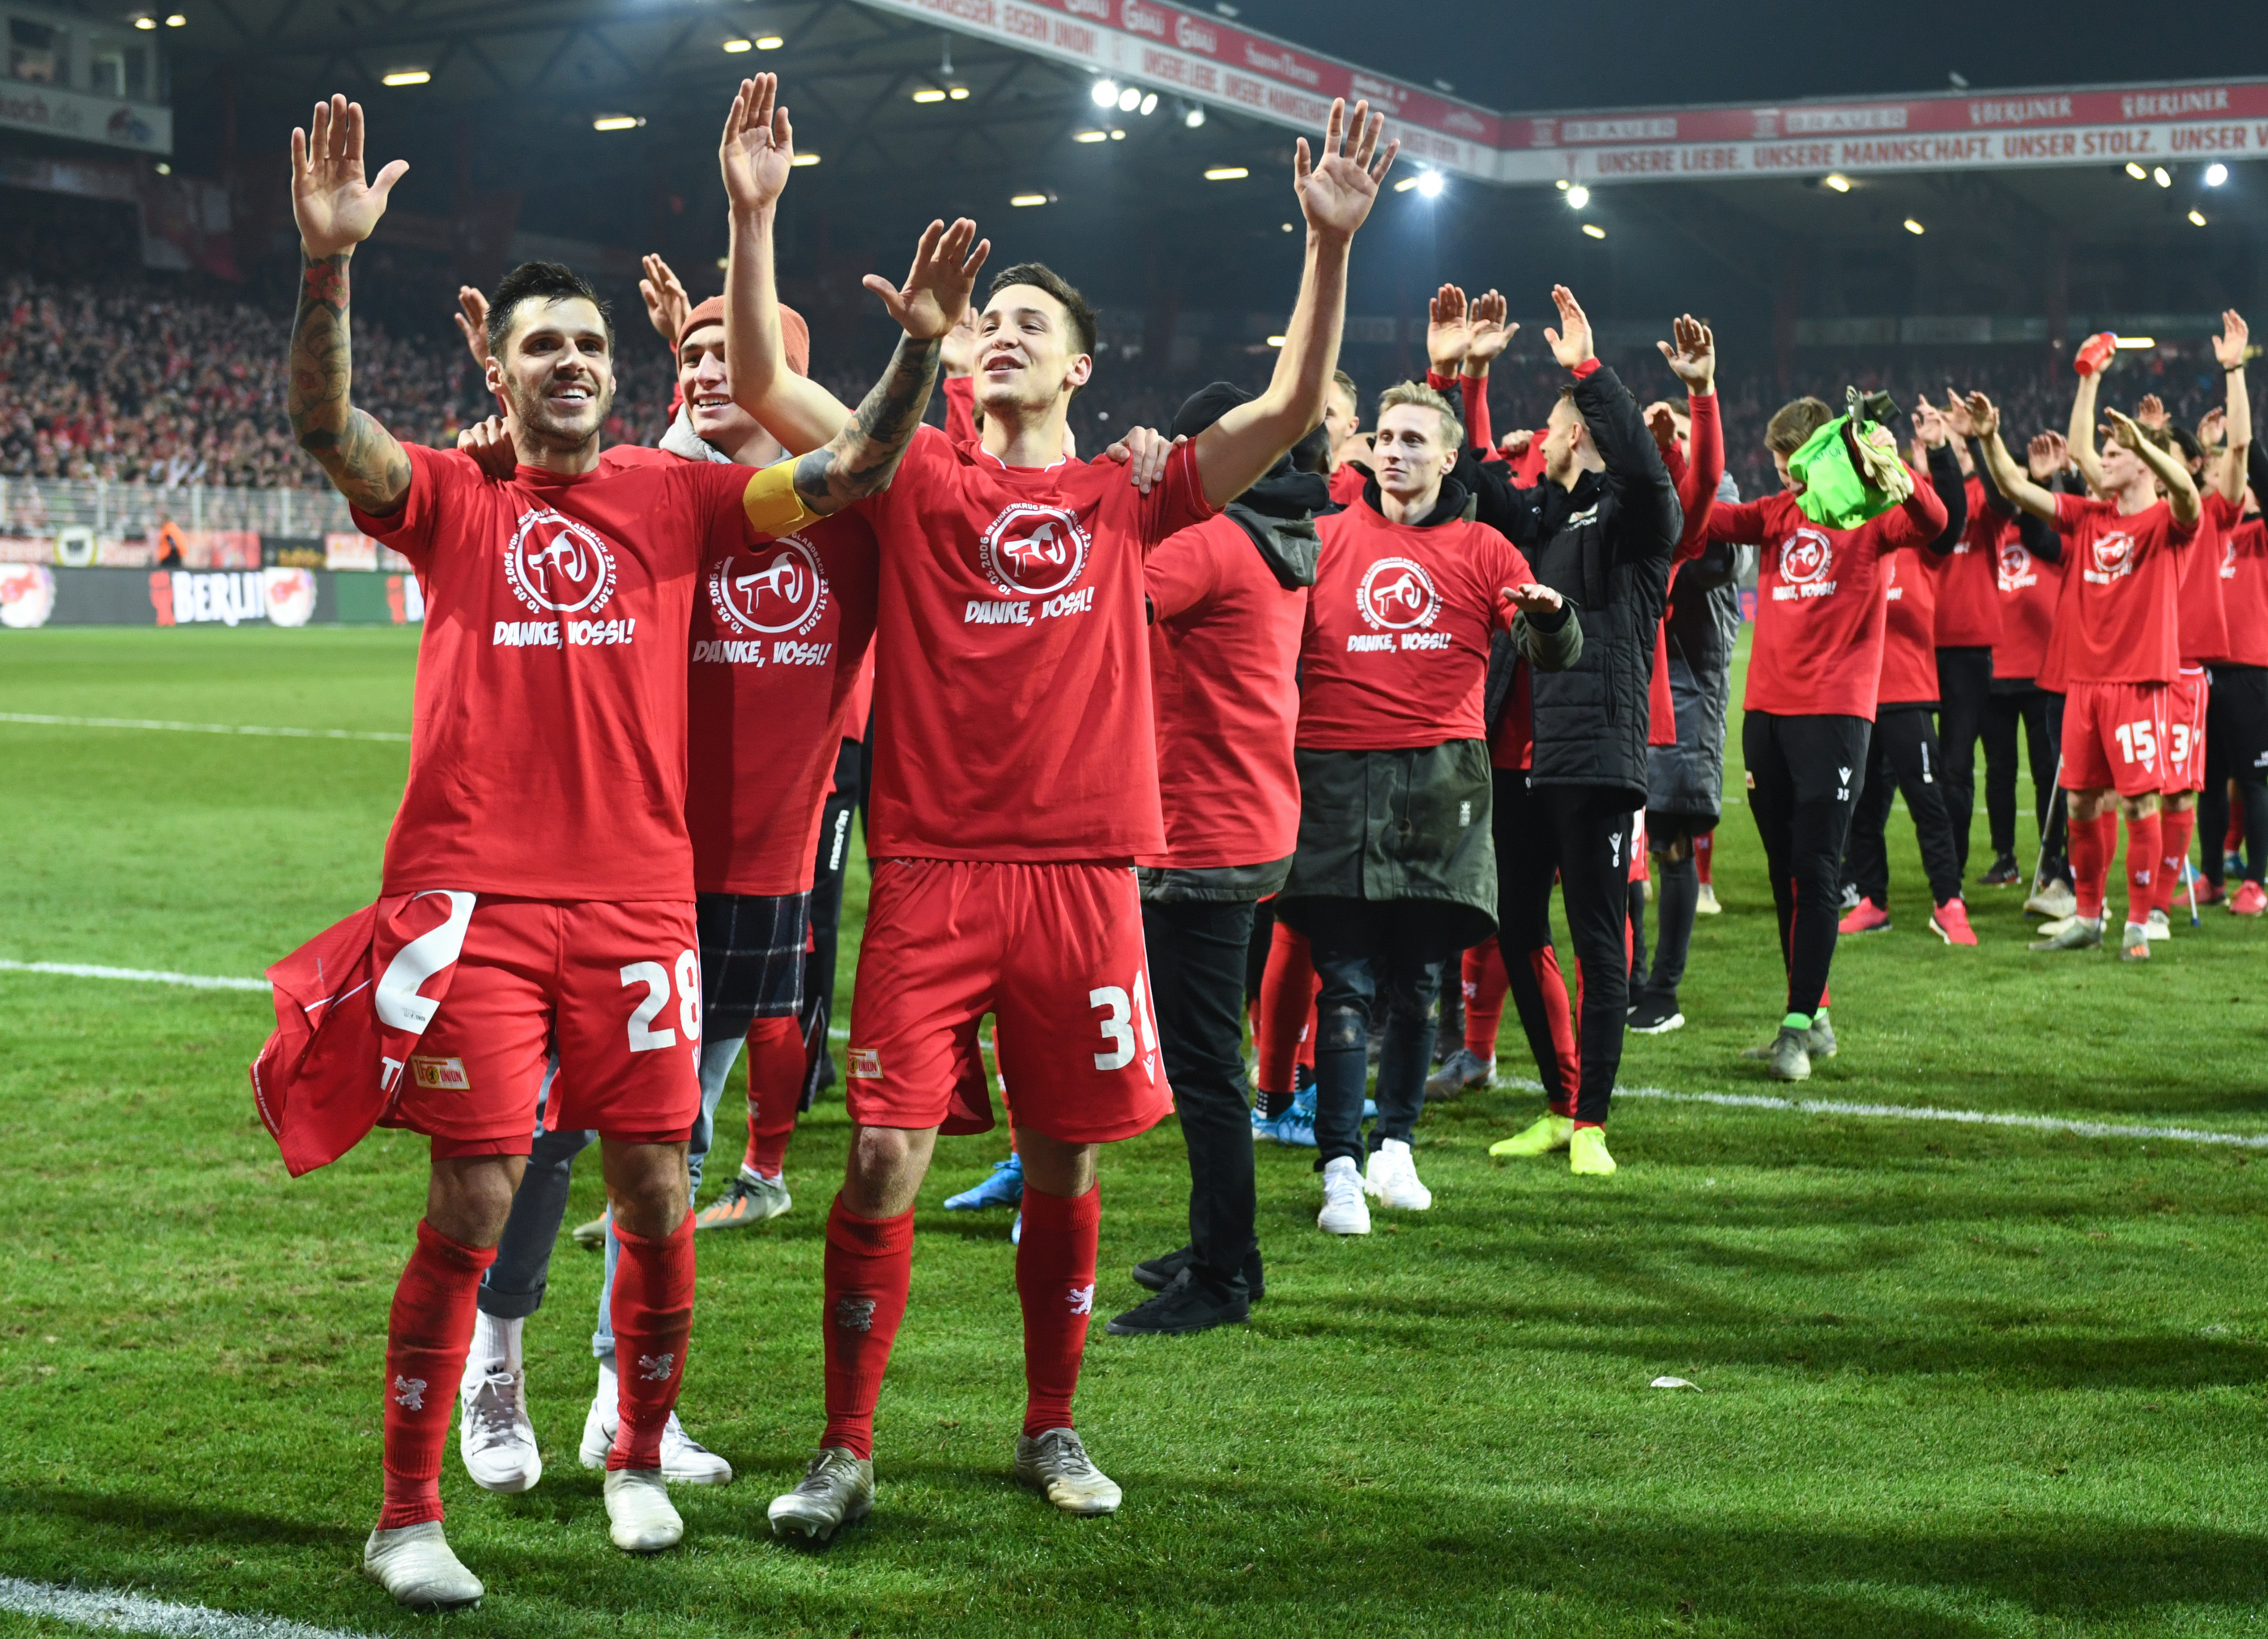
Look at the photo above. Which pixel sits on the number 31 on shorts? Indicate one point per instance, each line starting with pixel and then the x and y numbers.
pixel 644 1037
pixel 1121 1016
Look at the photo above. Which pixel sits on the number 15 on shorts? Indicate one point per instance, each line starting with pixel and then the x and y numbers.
pixel 1123 1015
pixel 2137 742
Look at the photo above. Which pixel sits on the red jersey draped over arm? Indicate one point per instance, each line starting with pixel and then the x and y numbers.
pixel 2117 621
pixel 781 633
pixel 1223 659
pixel 1011 689
pixel 547 756
pixel 1395 651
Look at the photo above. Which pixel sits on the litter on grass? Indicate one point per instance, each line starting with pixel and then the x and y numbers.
pixel 1674 1383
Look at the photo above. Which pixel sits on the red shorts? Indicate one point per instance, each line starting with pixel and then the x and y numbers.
pixel 2185 703
pixel 616 988
pixel 1055 952
pixel 2114 738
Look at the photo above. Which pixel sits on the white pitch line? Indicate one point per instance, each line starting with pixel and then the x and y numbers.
pixel 88 970
pixel 1924 1112
pixel 202 728
pixel 135 1613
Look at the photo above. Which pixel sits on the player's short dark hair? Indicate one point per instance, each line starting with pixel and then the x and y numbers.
pixel 541 282
pixel 2186 441
pixel 1793 424
pixel 1040 275
pixel 1313 453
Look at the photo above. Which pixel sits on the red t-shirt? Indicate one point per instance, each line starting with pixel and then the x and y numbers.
pixel 1396 653
pixel 547 755
pixel 2116 623
pixel 1820 608
pixel 1011 687
pixel 2199 610
pixel 1347 481
pixel 1224 676
pixel 2028 589
pixel 1911 584
pixel 1967 585
pixel 2244 592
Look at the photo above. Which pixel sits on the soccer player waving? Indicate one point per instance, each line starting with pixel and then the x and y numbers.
pixel 2114 652
pixel 1015 782
pixel 540 870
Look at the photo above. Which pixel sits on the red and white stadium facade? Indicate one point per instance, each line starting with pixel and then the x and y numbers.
pixel 1201 56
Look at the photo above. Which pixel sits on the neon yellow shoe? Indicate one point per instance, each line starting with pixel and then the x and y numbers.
pixel 1546 1133
pixel 1587 1153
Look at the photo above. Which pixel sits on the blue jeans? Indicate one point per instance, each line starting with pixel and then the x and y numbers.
pixel 513 1286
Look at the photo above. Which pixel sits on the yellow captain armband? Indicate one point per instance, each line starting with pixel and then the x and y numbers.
pixel 771 503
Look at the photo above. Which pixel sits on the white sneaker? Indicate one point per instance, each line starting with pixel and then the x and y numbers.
pixel 415 1565
pixel 2055 901
pixel 2158 927
pixel 1053 1463
pixel 1392 1178
pixel 639 1517
pixel 684 1460
pixel 1345 1210
pixel 1704 903
pixel 494 1436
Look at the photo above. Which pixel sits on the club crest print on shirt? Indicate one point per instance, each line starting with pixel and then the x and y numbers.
pixel 1806 557
pixel 2016 571
pixel 771 596
pixel 1397 594
pixel 559 566
pixel 1031 551
pixel 2110 557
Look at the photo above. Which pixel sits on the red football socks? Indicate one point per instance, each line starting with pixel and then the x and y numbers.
pixel 869 1270
pixel 1287 1003
pixel 1485 984
pixel 1704 845
pixel 1055 1281
pixel 426 1337
pixel 2175 828
pixel 776 1069
pixel 652 1316
pixel 2144 843
pixel 1546 962
pixel 2091 844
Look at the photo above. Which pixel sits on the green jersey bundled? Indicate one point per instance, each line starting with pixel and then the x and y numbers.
pixel 1849 471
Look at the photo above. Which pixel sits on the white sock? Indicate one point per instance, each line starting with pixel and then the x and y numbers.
pixel 609 1393
pixel 496 1346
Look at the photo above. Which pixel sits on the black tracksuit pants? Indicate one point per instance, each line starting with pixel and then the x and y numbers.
pixel 829 871
pixel 1198 955
pixel 2236 748
pixel 1905 758
pixel 1583 834
pixel 1371 956
pixel 1677 900
pixel 1804 777
pixel 2021 704
pixel 1964 693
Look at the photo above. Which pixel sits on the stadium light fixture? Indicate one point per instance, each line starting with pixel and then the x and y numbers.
pixel 1028 199
pixel 1227 174
pixel 177 21
pixel 769 42
pixel 1130 100
pixel 1105 93
pixel 2162 177
pixel 1592 230
pixel 1405 185
pixel 1194 119
pixel 407 77
pixel 959 94
pixel 2197 218
pixel 2215 174
pixel 1117 136
pixel 928 94
pixel 1577 197
pixel 1091 137
pixel 801 160
pixel 1837 180
pixel 2135 343
pixel 164 169
pixel 2136 172
pixel 1429 184
pixel 740 45
pixel 617 123
pixel 1915 228
pixel 1149 103
pixel 146 22
pixel 1563 185
pixel 1275 340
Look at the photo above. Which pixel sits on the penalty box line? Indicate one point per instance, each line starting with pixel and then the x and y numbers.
pixel 120 1612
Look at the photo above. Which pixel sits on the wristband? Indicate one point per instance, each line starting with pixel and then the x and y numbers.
pixel 1589 367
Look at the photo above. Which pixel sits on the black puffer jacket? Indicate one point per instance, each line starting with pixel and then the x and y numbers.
pixel 1605 545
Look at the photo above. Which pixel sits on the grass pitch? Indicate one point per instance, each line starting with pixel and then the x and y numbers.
pixel 1954 1380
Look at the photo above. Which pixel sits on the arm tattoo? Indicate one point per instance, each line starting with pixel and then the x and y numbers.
pixel 366 464
pixel 862 456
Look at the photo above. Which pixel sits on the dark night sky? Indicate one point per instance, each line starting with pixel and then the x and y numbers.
pixel 1653 52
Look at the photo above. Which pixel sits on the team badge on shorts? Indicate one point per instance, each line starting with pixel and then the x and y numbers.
pixel 865 1064
pixel 448 1075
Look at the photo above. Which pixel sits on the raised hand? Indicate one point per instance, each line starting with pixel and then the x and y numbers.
pixel 936 294
pixel 489 445
pixel 1570 342
pixel 1336 192
pixel 1492 331
pixel 1693 360
pixel 758 147
pixel 1529 598
pixel 2046 456
pixel 334 208
pixel 1662 424
pixel 1515 444
pixel 958 355
pixel 2213 429
pixel 2151 412
pixel 2123 427
pixel 1449 330
pixel 1983 416
pixel 1929 425
pixel 1956 416
pixel 473 325
pixel 2229 346
pixel 667 304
